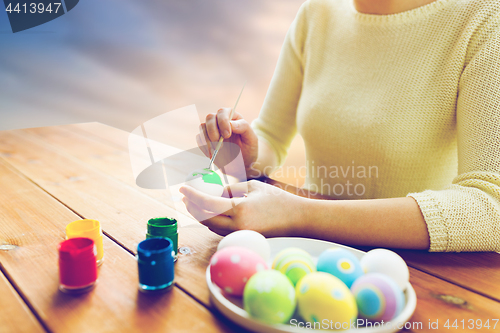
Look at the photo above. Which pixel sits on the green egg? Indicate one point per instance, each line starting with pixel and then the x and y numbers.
pixel 270 297
pixel 295 263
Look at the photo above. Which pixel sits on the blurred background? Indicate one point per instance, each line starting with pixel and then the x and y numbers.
pixel 122 62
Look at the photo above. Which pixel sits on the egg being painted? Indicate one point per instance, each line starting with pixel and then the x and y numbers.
pixel 340 263
pixel 232 267
pixel 322 296
pixel 206 181
pixel 378 297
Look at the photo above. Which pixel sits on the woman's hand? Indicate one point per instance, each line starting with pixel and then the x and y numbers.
pixel 255 206
pixel 236 130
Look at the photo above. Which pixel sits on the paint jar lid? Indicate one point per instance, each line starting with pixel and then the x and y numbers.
pixel 84 228
pixel 155 250
pixel 162 226
pixel 77 249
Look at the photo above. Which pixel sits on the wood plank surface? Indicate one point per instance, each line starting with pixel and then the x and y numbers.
pixel 53 168
pixel 442 301
pixel 110 159
pixel 34 223
pixel 122 210
pixel 15 316
pixel 479 272
pixel 114 136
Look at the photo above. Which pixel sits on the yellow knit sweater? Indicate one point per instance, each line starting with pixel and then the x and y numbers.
pixel 397 105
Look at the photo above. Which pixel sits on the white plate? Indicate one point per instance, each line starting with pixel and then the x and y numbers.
pixel 232 307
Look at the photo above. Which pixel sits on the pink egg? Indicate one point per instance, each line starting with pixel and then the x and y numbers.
pixel 233 266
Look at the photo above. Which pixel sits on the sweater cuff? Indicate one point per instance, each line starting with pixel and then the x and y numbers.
pixel 435 220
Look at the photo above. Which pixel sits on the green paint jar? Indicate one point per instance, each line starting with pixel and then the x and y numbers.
pixel 164 227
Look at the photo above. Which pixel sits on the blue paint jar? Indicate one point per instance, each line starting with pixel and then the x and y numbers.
pixel 155 258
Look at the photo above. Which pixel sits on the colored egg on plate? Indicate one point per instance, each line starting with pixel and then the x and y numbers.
pixel 386 262
pixel 269 296
pixel 232 267
pixel 249 239
pixel 295 263
pixel 340 263
pixel 322 296
pixel 378 297
pixel 206 181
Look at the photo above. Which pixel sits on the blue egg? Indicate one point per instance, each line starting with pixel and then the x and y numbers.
pixel 340 263
pixel 378 297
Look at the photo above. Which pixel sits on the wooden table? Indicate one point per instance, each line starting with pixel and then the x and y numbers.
pixel 54 175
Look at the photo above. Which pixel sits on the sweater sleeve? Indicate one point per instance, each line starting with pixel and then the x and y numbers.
pixel 276 123
pixel 465 216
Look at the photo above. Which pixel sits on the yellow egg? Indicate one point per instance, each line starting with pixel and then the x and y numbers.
pixel 326 299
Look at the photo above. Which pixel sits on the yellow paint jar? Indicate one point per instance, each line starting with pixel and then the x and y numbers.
pixel 88 229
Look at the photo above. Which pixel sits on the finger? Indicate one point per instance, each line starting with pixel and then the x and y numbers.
pixel 242 127
pixel 216 205
pixel 237 116
pixel 219 222
pixel 197 212
pixel 212 128
pixel 237 190
pixel 223 122
pixel 221 232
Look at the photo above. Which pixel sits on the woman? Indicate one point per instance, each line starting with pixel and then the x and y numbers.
pixel 410 88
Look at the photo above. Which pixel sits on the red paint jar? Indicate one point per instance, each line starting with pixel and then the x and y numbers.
pixel 77 265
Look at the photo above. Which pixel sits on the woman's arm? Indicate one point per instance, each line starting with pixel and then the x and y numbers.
pixel 395 222
pixel 273 212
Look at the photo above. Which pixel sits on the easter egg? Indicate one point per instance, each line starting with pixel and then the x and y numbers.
pixel 322 296
pixel 340 263
pixel 378 297
pixel 388 263
pixel 206 181
pixel 232 267
pixel 249 239
pixel 295 263
pixel 270 297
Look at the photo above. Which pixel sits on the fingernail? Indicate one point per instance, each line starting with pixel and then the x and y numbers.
pixel 225 134
pixel 235 124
